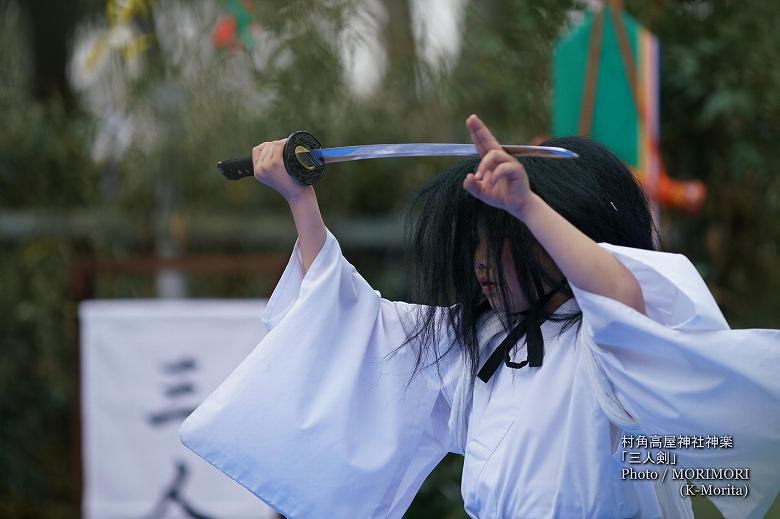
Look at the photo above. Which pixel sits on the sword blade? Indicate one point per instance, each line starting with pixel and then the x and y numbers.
pixel 305 160
pixel 379 151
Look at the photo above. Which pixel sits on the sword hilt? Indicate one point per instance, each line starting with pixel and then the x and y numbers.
pixel 298 161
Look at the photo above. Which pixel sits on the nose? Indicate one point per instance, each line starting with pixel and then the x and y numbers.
pixel 480 262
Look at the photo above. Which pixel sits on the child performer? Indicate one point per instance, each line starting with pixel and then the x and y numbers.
pixel 553 336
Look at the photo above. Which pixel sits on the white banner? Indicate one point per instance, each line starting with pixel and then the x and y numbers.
pixel 145 365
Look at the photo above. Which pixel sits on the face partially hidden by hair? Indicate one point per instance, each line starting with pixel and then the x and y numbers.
pixel 498 279
pixel 490 279
pixel 596 193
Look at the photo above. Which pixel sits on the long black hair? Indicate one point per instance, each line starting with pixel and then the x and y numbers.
pixel 595 192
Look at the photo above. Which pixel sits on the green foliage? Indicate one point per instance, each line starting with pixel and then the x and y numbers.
pixel 720 123
pixel 37 371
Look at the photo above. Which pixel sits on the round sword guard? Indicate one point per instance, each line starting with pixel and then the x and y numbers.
pixel 298 162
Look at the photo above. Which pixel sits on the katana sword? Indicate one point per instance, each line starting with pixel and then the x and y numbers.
pixel 305 158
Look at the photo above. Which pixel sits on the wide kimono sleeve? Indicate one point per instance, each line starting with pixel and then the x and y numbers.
pixel 317 421
pixel 680 370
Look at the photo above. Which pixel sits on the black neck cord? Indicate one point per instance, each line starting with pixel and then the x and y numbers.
pixel 531 328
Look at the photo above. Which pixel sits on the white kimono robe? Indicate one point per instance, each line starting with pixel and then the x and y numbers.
pixel 317 423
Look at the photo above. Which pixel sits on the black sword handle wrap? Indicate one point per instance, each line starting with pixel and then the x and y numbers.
pixel 236 169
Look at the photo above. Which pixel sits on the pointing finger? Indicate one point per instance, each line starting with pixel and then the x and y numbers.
pixel 481 136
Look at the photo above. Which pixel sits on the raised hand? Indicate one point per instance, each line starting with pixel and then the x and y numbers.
pixel 500 180
pixel 269 169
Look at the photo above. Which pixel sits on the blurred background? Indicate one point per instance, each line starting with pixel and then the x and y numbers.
pixel 115 114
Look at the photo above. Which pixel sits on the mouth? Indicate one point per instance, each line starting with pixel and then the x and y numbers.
pixel 486 285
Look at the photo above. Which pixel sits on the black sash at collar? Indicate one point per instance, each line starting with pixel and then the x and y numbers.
pixel 530 326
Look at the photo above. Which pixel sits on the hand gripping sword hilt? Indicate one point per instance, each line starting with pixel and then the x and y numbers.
pixel 298 162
